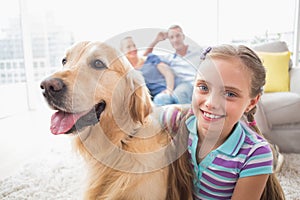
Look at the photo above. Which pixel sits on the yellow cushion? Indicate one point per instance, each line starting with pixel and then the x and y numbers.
pixel 277 71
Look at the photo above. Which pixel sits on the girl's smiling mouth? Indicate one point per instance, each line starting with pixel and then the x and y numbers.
pixel 210 116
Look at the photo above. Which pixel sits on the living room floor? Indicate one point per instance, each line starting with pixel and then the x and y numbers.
pixel 24 136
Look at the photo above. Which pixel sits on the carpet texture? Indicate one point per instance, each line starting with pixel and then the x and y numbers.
pixel 59 175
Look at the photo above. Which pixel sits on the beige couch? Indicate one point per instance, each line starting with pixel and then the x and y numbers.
pixel 278 114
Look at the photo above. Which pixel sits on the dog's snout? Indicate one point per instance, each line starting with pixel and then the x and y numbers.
pixel 52 85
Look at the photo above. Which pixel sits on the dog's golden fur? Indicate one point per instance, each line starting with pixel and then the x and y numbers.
pixel 128 156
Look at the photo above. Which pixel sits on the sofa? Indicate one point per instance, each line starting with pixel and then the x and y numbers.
pixel 278 111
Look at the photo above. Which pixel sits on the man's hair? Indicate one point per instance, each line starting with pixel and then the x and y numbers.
pixel 174 27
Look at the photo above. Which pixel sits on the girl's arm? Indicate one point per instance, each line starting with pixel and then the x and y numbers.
pixel 250 188
pixel 172 115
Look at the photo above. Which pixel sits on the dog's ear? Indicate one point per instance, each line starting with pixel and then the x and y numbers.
pixel 140 102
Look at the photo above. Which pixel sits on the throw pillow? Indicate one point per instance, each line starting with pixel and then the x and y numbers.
pixel 277 70
pixel 276 46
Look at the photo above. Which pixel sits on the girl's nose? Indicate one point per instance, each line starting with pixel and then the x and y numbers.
pixel 209 104
pixel 214 101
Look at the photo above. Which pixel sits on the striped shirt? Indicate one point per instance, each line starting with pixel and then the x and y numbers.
pixel 243 154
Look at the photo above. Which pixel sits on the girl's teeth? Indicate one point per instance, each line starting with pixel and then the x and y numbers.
pixel 211 116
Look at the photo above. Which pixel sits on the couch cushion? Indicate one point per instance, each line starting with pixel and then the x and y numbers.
pixel 277 71
pixel 281 107
pixel 277 46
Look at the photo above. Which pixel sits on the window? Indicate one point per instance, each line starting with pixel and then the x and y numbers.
pixel 42 64
pixel 8 65
pixel 14 65
pixel 35 64
pixel 256 21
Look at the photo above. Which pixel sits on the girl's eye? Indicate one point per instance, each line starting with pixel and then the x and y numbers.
pixel 203 88
pixel 230 94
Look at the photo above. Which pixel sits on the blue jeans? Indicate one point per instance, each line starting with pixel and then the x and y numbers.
pixel 182 94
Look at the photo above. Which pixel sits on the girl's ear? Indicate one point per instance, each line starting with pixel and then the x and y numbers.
pixel 253 103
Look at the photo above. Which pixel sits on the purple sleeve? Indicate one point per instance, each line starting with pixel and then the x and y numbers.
pixel 172 115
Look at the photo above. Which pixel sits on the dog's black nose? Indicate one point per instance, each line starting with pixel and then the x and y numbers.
pixel 52 86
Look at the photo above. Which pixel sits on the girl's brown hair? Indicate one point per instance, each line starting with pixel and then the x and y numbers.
pixel 254 66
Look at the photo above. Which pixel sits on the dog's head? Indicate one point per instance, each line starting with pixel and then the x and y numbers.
pixel 95 82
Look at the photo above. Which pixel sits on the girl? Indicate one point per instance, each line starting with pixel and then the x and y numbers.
pixel 229 160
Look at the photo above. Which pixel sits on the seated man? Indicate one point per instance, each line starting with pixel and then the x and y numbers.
pixel 183 62
pixel 158 76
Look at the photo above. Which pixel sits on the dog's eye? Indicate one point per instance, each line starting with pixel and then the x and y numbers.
pixel 98 64
pixel 64 61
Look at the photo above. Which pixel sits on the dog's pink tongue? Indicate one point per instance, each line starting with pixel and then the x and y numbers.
pixel 61 122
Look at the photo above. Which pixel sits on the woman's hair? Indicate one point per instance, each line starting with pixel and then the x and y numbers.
pixel 123 40
pixel 252 63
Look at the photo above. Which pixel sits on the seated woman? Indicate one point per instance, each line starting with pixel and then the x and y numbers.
pixel 158 76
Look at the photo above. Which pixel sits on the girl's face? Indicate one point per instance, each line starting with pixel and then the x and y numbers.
pixel 128 47
pixel 221 96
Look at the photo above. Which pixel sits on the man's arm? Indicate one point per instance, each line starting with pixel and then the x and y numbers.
pixel 159 37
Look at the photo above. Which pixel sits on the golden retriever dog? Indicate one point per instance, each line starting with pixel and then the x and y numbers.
pixel 103 103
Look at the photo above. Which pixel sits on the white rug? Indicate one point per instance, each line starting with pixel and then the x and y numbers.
pixel 59 174
pixel 289 176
